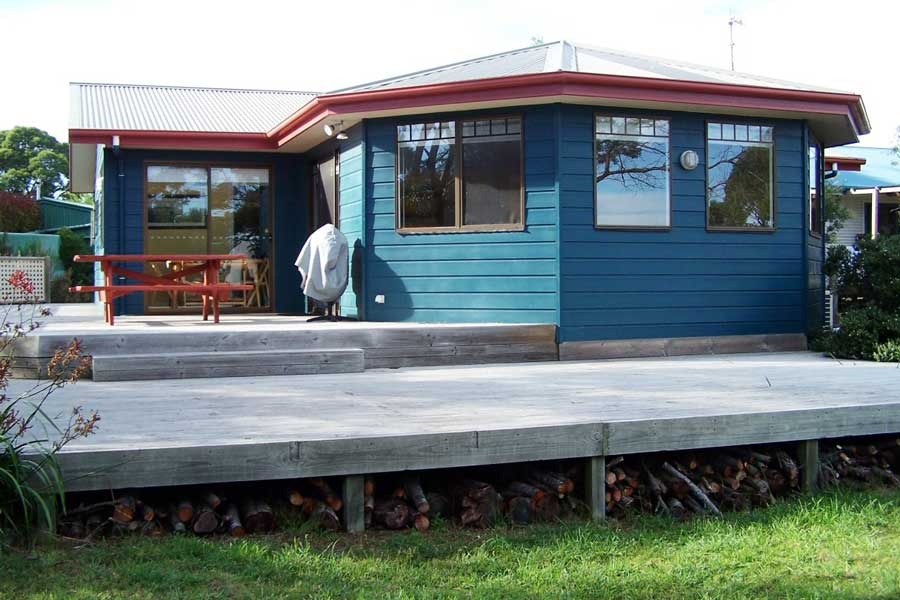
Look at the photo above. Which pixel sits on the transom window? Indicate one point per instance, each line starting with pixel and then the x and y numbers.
pixel 460 175
pixel 739 177
pixel 631 172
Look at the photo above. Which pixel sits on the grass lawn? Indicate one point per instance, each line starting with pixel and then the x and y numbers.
pixel 841 544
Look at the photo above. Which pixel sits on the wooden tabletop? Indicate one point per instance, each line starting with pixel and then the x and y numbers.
pixel 156 257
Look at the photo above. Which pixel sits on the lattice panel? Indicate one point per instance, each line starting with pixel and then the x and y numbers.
pixel 35 268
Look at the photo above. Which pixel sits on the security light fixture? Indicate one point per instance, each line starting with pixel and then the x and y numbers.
pixel 329 129
pixel 689 160
pixel 341 136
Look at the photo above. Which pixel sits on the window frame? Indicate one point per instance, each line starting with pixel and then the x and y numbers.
pixel 816 230
pixel 458 187
pixel 671 210
pixel 772 173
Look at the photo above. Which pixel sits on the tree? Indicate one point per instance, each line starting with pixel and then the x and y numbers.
pixel 31 157
pixel 836 212
pixel 739 181
pixel 18 213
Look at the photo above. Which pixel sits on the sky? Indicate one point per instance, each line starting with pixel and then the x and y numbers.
pixel 311 46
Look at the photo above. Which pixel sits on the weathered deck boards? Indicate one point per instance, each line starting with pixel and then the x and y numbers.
pixel 173 433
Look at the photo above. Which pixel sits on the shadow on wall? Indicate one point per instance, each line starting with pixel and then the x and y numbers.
pixel 397 304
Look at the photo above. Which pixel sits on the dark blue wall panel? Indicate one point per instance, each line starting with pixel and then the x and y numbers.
pixel 473 276
pixel 686 281
pixel 288 217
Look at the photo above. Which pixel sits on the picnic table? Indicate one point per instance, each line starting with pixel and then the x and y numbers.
pixel 171 280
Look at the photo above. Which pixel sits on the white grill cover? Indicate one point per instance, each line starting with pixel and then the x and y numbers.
pixel 323 264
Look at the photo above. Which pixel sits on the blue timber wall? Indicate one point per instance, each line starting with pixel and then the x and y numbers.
pixel 288 215
pixel 686 281
pixel 509 277
pixel 352 220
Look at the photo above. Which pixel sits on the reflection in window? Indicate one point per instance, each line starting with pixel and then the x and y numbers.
pixel 739 176
pixel 816 188
pixel 492 172
pixel 460 174
pixel 236 199
pixel 631 172
pixel 426 175
pixel 178 196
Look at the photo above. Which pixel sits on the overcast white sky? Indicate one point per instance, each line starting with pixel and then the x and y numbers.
pixel 321 46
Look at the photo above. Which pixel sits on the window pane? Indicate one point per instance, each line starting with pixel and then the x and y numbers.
pixel 740 185
pixel 448 129
pixel 236 200
pixel 177 196
pixel 492 180
pixel 766 134
pixel 740 133
pixel 646 126
pixel 426 183
pixel 633 126
pixel 754 133
pixel 662 128
pixel 727 131
pixel 417 131
pixel 514 125
pixel 604 125
pixel 482 128
pixel 632 181
pixel 498 127
pixel 468 128
pixel 715 131
pixel 403 133
pixel 618 125
pixel 432 131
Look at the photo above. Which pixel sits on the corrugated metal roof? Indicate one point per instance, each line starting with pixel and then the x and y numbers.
pixel 579 58
pixel 169 108
pixel 881 168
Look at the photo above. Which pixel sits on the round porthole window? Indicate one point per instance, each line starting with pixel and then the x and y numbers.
pixel 689 160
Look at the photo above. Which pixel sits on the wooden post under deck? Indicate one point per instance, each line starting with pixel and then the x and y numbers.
pixel 354 503
pixel 808 453
pixel 595 487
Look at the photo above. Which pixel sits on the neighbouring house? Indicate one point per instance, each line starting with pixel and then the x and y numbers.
pixel 57 214
pixel 616 196
pixel 869 182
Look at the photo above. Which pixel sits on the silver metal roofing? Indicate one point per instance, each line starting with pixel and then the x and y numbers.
pixel 171 108
pixel 578 58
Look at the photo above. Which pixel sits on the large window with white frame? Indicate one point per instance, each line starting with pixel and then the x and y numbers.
pixel 460 175
pixel 631 172
pixel 740 177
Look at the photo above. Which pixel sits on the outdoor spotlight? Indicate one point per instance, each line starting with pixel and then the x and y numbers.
pixel 329 130
pixel 341 136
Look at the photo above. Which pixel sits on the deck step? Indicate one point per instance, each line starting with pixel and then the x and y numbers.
pixel 190 365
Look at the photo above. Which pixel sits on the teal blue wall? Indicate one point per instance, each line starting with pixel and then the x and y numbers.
pixel 352 215
pixel 687 281
pixel 288 218
pixel 506 277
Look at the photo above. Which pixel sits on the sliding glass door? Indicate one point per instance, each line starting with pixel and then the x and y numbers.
pixel 210 209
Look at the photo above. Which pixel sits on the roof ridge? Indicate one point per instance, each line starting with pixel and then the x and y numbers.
pixel 439 68
pixel 191 87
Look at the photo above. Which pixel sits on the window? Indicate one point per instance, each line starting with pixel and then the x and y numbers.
pixel 816 188
pixel 739 177
pixel 631 172
pixel 178 196
pixel 460 175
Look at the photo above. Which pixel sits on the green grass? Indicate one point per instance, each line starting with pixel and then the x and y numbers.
pixel 841 544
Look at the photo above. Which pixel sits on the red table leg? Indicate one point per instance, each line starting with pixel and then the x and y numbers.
pixel 108 297
pixel 214 277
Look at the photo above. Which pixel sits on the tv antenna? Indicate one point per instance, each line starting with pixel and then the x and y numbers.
pixel 732 21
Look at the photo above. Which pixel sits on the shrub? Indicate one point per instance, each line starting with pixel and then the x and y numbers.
pixel 18 213
pixel 31 486
pixel 70 244
pixel 863 329
pixel 887 352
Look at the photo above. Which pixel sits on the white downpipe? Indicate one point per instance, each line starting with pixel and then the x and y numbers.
pixel 876 193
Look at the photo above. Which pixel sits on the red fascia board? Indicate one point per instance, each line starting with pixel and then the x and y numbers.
pixel 563 83
pixel 188 140
pixel 845 163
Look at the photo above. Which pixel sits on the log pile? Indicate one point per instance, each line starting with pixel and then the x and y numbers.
pixel 869 462
pixel 686 484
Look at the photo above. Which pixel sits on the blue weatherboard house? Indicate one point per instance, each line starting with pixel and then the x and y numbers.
pixel 623 198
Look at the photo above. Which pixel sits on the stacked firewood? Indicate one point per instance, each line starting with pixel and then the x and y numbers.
pixel 208 514
pixel 872 462
pixel 538 494
pixel 702 484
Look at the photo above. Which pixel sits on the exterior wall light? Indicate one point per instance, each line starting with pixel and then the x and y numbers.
pixel 689 160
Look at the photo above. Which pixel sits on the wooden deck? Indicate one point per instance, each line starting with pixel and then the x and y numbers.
pixel 246 429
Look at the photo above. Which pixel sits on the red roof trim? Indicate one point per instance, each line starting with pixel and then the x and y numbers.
pixel 845 163
pixel 563 83
pixel 188 140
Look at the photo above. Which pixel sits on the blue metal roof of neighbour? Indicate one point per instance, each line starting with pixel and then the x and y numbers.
pixel 882 168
